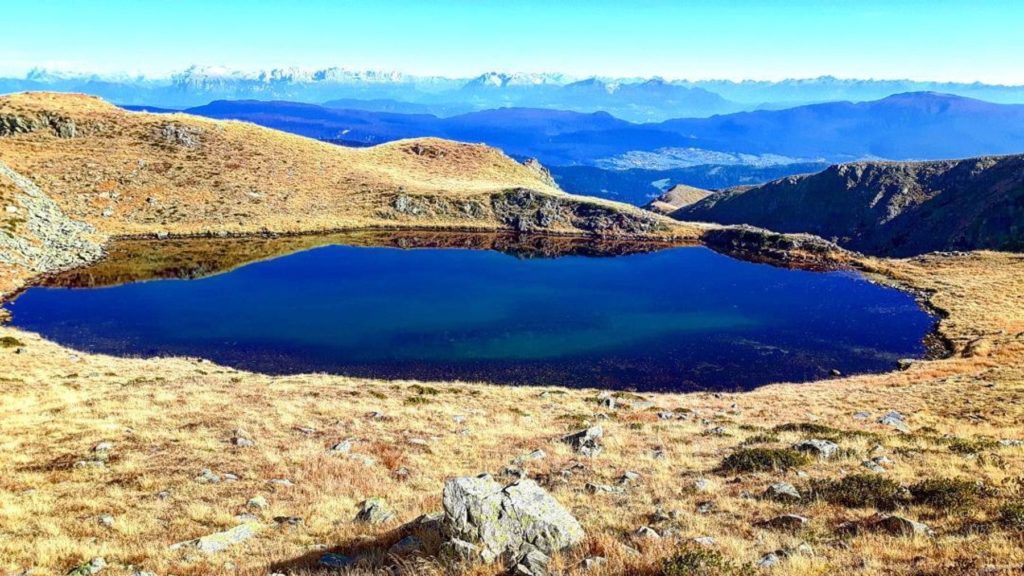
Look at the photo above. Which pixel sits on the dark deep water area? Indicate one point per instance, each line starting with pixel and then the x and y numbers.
pixel 661 318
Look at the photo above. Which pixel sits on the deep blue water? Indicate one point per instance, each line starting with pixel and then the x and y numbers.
pixel 675 319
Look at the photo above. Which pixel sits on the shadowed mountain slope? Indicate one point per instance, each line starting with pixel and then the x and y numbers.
pixel 890 208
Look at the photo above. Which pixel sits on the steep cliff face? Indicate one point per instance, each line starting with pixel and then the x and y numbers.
pixel 887 208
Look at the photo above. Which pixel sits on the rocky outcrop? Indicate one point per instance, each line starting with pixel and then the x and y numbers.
pixel 38 236
pixel 887 208
pixel 524 210
pixel 792 250
pixel 60 126
pixel 486 521
pixel 528 211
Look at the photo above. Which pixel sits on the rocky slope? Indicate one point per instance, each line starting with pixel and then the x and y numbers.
pixel 887 208
pixel 76 159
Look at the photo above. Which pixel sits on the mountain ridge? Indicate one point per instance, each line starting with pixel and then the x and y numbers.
pixel 886 208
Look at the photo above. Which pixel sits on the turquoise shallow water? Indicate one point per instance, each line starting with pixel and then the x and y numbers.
pixel 674 319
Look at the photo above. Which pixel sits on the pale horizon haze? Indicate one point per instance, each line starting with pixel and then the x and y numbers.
pixel 937 40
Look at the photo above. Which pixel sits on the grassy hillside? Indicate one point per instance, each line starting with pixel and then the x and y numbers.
pixel 134 173
pixel 887 208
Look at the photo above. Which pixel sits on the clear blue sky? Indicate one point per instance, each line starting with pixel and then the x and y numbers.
pixel 963 40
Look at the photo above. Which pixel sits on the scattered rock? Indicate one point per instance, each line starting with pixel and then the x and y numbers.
pixel 106 520
pixel 629 477
pixel 586 442
pixel 288 520
pixel 602 488
pixel 895 420
pixel 704 541
pixel 105 446
pixel 898 526
pixel 94 566
pixel 241 439
pixel 861 415
pixel 406 546
pixel 782 492
pixel 257 503
pixel 646 532
pixel 282 482
pixel 823 449
pixel 374 511
pixel 608 402
pixel 788 522
pixel 332 560
pixel 768 560
pixel 716 431
pixel 873 466
pixel 220 540
pixel 1012 443
pixel 505 521
pixel 703 485
pixel 206 476
pixel 593 563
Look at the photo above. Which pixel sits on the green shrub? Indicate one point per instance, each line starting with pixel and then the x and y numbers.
pixel 764 438
pixel 971 445
pixel 10 342
pixel 821 431
pixel 1011 515
pixel 693 561
pixel 860 491
pixel 424 390
pixel 946 493
pixel 414 400
pixel 763 460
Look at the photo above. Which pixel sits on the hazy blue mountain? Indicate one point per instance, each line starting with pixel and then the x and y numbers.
pixel 920 125
pixel 902 127
pixel 634 99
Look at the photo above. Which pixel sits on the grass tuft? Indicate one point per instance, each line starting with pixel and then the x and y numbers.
pixel 763 460
pixel 10 342
pixel 693 561
pixel 946 493
pixel 860 491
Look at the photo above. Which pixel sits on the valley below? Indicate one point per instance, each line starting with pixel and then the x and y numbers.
pixel 124 457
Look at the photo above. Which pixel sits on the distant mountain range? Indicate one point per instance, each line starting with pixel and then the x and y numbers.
pixel 885 208
pixel 634 99
pixel 913 126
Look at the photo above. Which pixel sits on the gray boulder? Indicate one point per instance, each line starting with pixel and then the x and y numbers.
pixel 586 442
pixel 782 492
pixel 898 526
pixel 374 511
pixel 221 540
pixel 895 420
pixel 823 449
pixel 786 522
pixel 504 522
